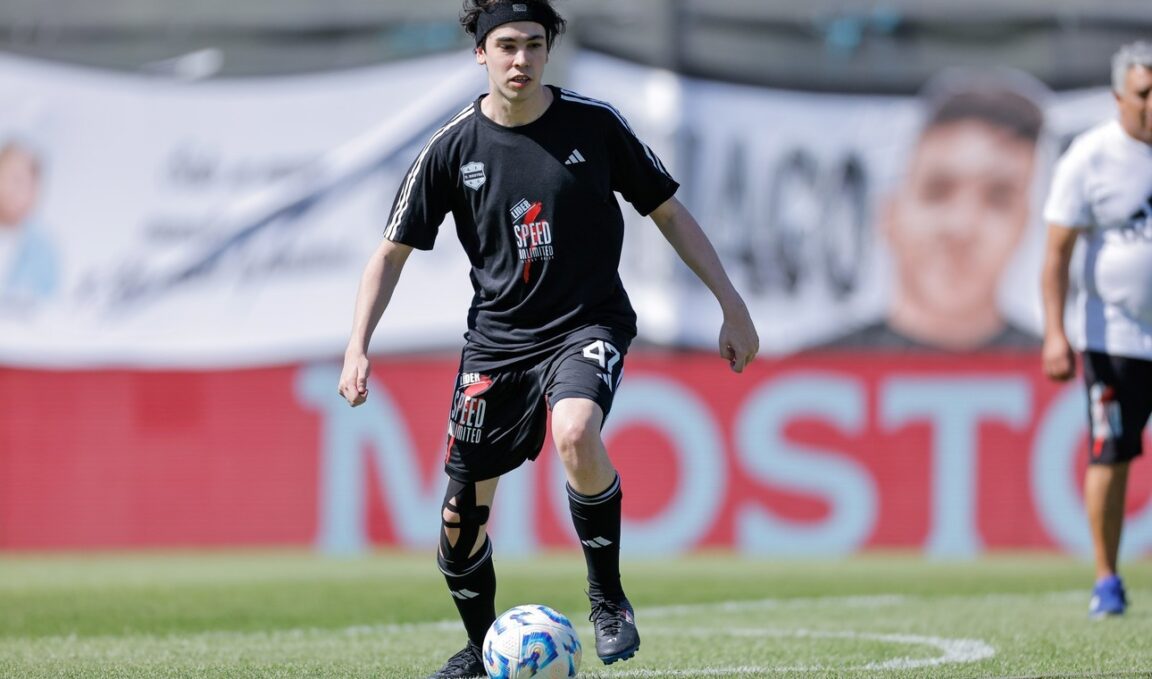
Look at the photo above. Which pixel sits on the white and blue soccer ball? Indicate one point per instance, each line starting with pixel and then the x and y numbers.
pixel 531 641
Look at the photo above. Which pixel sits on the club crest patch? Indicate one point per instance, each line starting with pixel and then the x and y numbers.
pixel 473 174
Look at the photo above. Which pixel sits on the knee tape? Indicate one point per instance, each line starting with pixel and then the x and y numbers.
pixel 460 499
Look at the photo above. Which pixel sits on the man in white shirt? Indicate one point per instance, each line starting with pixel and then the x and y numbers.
pixel 1101 195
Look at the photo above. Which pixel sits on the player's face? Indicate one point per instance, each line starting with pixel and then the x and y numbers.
pixel 954 224
pixel 1135 103
pixel 18 180
pixel 515 55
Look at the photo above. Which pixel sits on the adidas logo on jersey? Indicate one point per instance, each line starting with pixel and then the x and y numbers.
pixel 574 158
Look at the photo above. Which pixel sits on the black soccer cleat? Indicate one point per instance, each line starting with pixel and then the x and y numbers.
pixel 467 664
pixel 615 625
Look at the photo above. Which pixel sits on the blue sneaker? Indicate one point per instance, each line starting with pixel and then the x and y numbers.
pixel 1108 598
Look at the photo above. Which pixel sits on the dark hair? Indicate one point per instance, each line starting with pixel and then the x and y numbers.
pixel 1002 99
pixel 542 10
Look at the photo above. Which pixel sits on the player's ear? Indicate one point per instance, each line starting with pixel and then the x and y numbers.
pixel 481 57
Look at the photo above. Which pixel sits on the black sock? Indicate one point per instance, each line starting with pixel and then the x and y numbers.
pixel 597 522
pixel 473 587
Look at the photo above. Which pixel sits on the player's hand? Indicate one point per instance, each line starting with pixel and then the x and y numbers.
pixel 739 341
pixel 354 379
pixel 1058 358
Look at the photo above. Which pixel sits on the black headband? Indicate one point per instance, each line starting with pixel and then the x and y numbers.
pixel 507 12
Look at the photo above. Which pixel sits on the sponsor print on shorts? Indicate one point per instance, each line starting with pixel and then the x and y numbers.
pixel 1106 422
pixel 466 421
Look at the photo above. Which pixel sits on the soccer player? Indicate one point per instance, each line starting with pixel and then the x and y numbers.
pixel 1101 195
pixel 529 172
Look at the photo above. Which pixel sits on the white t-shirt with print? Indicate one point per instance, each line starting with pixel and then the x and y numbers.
pixel 1103 187
pixel 9 244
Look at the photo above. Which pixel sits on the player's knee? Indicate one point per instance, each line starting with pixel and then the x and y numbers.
pixel 575 439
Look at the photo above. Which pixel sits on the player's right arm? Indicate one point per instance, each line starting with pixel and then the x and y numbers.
pixel 376 287
pixel 1066 211
pixel 739 342
pixel 1059 362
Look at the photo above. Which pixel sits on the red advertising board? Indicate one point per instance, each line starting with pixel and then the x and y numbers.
pixel 811 455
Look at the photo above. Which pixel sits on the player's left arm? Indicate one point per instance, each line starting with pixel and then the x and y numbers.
pixel 739 341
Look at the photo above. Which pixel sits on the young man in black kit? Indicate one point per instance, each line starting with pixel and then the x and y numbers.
pixel 529 172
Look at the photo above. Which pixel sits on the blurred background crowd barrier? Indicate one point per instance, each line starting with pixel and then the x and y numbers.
pixel 189 191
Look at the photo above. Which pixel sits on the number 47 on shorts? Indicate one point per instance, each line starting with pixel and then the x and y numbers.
pixel 607 357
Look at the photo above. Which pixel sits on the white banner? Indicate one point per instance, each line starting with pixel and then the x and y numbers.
pixel 792 188
pixel 225 223
pixel 217 223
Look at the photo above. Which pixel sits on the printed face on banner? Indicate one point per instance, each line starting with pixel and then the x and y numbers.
pixel 19 184
pixel 954 224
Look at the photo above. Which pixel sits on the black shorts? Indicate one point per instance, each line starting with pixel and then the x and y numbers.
pixel 1119 405
pixel 499 419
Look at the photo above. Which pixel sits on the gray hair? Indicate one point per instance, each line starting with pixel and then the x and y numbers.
pixel 1133 54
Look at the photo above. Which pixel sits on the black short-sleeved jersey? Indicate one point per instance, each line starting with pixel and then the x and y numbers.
pixel 536 213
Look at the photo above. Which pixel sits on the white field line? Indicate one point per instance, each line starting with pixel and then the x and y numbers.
pixel 657 612
pixel 851 601
pixel 950 651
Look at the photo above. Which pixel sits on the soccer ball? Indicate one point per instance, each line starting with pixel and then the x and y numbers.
pixel 531 641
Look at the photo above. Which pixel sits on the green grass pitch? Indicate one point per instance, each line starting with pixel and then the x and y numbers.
pixel 290 614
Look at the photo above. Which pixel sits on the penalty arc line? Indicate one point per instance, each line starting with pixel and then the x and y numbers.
pixel 952 651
